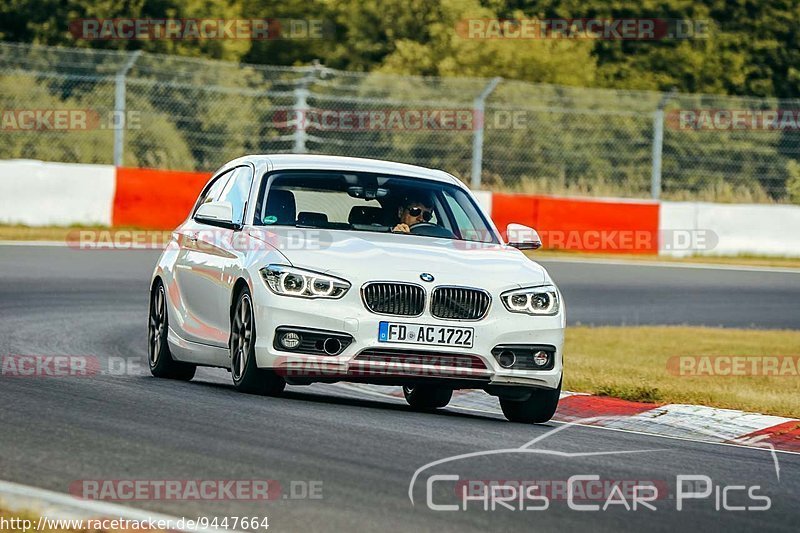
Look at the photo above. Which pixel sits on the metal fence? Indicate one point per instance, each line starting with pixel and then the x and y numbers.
pixel 160 111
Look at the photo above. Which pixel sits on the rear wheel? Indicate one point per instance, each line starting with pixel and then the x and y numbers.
pixel 538 409
pixel 159 358
pixel 427 397
pixel 247 377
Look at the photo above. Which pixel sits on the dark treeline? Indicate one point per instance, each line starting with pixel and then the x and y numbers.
pixel 750 46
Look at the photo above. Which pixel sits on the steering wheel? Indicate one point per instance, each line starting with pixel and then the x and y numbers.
pixel 422 226
pixel 430 229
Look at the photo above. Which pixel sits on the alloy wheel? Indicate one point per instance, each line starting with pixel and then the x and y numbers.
pixel 242 336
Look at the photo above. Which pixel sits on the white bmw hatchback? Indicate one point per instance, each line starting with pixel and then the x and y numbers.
pixel 300 269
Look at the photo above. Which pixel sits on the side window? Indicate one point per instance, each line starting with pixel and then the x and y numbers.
pixel 463 219
pixel 237 190
pixel 213 191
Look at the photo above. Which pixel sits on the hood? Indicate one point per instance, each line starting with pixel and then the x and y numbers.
pixel 364 256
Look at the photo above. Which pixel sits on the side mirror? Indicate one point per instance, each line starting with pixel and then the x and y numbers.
pixel 217 214
pixel 523 237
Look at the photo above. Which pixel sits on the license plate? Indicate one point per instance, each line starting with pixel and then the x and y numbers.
pixel 424 334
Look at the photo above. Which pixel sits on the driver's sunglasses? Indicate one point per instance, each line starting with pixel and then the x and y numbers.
pixel 417 211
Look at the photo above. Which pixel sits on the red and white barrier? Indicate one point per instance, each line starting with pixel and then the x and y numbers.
pixel 36 193
pixel 155 199
pixel 584 224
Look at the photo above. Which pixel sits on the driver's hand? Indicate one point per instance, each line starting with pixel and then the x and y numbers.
pixel 401 228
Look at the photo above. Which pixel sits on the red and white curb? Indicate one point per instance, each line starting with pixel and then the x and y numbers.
pixel 47 504
pixel 693 422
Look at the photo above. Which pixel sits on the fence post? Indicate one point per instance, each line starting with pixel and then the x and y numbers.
pixel 478 107
pixel 658 145
pixel 300 110
pixel 119 108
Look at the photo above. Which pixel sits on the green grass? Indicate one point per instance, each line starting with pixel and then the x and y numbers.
pixel 737 260
pixel 631 363
pixel 72 233
pixel 45 233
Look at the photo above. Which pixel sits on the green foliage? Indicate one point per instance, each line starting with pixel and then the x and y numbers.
pixel 751 48
pixel 793 183
pixel 152 141
pixel 446 52
pixel 48 22
pixel 197 115
pixel 637 393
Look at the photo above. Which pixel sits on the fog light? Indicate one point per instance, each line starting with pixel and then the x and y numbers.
pixel 506 358
pixel 541 358
pixel 290 340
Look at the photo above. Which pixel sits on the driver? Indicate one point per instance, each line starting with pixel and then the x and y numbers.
pixel 413 210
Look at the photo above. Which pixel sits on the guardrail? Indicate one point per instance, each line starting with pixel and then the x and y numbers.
pixel 38 193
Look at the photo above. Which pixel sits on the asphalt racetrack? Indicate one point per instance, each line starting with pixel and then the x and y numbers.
pixel 361 452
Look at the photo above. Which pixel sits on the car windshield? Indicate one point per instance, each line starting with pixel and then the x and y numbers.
pixel 357 201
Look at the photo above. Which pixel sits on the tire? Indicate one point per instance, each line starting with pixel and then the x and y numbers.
pixel 538 409
pixel 427 397
pixel 159 358
pixel 247 377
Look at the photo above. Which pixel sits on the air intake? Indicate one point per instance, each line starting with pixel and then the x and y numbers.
pixel 459 303
pixel 392 298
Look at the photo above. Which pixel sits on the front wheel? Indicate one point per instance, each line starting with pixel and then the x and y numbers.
pixel 427 397
pixel 247 377
pixel 538 409
pixel 159 358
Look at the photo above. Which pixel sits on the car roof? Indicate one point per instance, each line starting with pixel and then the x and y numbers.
pixel 331 162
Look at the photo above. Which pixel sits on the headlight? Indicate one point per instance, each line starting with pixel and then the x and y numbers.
pixel 290 281
pixel 542 300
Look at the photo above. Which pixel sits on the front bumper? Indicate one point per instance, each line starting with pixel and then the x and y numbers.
pixel 349 315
